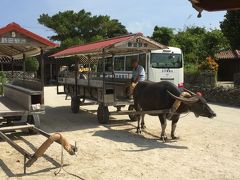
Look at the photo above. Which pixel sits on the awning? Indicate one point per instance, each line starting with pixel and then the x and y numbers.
pixel 123 44
pixel 17 42
pixel 229 54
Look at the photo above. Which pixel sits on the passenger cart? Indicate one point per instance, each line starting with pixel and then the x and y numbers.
pixel 104 86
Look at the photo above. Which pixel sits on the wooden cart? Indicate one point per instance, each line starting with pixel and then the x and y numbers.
pixel 102 88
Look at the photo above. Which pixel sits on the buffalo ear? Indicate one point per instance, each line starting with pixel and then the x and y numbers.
pixel 190 100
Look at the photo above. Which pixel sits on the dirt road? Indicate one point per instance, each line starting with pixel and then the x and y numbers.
pixel 207 149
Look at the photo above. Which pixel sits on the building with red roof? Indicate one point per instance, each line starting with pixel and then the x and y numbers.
pixel 229 64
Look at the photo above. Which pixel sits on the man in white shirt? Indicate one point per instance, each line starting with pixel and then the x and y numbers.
pixel 138 74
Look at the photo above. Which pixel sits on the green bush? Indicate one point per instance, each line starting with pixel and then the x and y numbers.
pixel 3 80
pixel 191 68
pixel 31 64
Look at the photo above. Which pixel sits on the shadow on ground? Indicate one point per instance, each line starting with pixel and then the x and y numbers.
pixel 143 143
pixel 61 119
pixel 8 171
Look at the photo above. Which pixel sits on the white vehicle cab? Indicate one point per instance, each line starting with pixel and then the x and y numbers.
pixel 167 65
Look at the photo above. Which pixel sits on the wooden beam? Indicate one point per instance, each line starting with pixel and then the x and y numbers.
pixel 218 5
pixel 140 112
pixel 14 128
pixel 15 146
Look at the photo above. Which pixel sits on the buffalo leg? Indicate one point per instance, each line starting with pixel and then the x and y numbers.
pixel 163 121
pixel 174 125
pixel 143 122
pixel 138 126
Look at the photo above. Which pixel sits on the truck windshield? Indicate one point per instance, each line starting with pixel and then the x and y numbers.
pixel 166 60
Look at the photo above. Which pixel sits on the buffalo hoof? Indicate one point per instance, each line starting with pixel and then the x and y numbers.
pixel 143 126
pixel 138 131
pixel 163 138
pixel 175 138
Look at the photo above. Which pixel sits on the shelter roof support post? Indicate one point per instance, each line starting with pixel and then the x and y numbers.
pixel 104 74
pixel 57 72
pixel 12 66
pixel 42 74
pixel 113 74
pixel 148 54
pixel 89 66
pixel 76 75
pixel 24 65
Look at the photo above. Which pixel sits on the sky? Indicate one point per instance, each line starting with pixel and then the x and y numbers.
pixel 136 15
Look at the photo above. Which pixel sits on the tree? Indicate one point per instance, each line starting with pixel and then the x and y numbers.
pixel 163 35
pixel 231 27
pixel 197 43
pixel 73 28
pixel 213 42
pixel 31 64
pixel 190 41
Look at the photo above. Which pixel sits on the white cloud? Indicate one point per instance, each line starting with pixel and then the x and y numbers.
pixel 143 26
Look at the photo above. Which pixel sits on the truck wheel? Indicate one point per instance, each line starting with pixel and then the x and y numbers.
pixel 75 104
pixel 103 114
pixel 35 120
pixel 132 117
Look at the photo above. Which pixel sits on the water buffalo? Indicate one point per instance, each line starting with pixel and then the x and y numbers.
pixel 165 95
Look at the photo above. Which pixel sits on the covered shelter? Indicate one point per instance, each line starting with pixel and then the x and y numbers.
pixel 17 43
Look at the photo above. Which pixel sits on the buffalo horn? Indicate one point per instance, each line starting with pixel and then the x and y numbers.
pixel 192 93
pixel 190 100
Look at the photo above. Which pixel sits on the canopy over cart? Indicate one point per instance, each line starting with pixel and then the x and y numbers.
pixel 102 87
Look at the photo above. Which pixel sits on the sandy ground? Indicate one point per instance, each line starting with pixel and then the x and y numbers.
pixel 207 149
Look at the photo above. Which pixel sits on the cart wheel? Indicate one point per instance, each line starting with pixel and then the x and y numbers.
pixel 35 120
pixel 132 117
pixel 75 102
pixel 103 114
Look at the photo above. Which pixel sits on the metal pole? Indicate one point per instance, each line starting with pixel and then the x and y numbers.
pixel 42 69
pixel 76 75
pixel 12 68
pixel 104 79
pixel 148 63
pixel 113 66
pixel 42 75
pixel 24 65
pixel 57 74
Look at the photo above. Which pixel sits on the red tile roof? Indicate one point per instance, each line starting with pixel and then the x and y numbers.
pixel 16 27
pixel 229 54
pixel 93 46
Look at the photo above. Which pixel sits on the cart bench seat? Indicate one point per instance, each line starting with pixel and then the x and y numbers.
pixel 30 100
pixel 10 108
pixel 22 89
